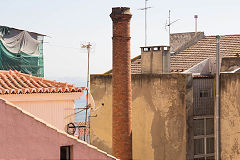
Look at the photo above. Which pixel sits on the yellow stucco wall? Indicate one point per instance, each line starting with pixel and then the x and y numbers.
pixel 160 111
pixel 230 116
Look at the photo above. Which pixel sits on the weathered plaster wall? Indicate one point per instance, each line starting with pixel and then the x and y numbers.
pixel 161 108
pixel 230 63
pixel 181 41
pixel 23 136
pixel 230 116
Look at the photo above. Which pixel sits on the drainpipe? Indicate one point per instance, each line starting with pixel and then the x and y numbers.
pixel 217 99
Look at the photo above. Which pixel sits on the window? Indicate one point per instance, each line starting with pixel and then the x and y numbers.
pixel 210 158
pixel 198 127
pixel 156 48
pixel 210 145
pixel 209 126
pixel 204 93
pixel 199 146
pixel 199 158
pixel 203 128
pixel 146 49
pixel 65 153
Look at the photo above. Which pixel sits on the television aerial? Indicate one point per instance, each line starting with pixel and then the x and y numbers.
pixel 169 23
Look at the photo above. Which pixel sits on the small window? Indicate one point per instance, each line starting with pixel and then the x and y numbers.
pixel 156 48
pixel 165 48
pixel 210 145
pixel 210 158
pixel 65 153
pixel 202 158
pixel 198 146
pixel 203 138
pixel 146 49
pixel 198 127
pixel 209 126
pixel 204 93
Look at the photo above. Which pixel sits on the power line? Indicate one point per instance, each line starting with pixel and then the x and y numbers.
pixel 54 45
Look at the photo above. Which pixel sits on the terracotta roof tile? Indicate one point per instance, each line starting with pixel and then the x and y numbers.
pixel 135 66
pixel 15 82
pixel 205 48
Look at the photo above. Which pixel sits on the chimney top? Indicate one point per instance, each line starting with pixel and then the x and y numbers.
pixel 120 10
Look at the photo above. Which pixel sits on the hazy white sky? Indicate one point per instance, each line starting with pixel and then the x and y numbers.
pixel 71 22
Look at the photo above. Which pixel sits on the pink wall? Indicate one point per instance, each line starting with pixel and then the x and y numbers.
pixel 54 108
pixel 24 137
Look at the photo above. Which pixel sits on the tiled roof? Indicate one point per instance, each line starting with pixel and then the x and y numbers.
pixel 205 48
pixel 135 66
pixel 15 82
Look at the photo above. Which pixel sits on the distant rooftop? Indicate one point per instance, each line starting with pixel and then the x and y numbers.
pixel 15 82
pixel 20 30
pixel 204 48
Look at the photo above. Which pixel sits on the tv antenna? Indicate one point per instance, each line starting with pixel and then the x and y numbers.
pixel 71 127
pixel 88 47
pixel 145 10
pixel 169 23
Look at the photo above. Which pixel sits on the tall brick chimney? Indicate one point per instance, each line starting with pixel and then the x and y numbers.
pixel 121 84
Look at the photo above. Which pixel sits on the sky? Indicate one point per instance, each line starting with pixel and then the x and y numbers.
pixel 68 24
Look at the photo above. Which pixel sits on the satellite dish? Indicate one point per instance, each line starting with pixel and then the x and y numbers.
pixel 71 128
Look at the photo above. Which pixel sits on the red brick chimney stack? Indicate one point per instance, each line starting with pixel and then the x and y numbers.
pixel 121 84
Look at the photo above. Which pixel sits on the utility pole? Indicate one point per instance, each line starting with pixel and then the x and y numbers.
pixel 145 10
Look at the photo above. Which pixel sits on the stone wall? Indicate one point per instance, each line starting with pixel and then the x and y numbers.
pixel 230 116
pixel 161 109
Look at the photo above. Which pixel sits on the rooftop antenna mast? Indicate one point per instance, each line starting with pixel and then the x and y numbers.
pixel 145 10
pixel 87 46
pixel 169 24
pixel 71 127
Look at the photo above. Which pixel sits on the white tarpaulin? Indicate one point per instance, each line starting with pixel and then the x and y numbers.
pixel 23 42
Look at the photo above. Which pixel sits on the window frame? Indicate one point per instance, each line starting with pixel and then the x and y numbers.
pixel 205 136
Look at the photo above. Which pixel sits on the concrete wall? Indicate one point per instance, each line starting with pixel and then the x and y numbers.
pixel 181 41
pixel 230 116
pixel 155 60
pixel 230 64
pixel 53 108
pixel 23 136
pixel 161 108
